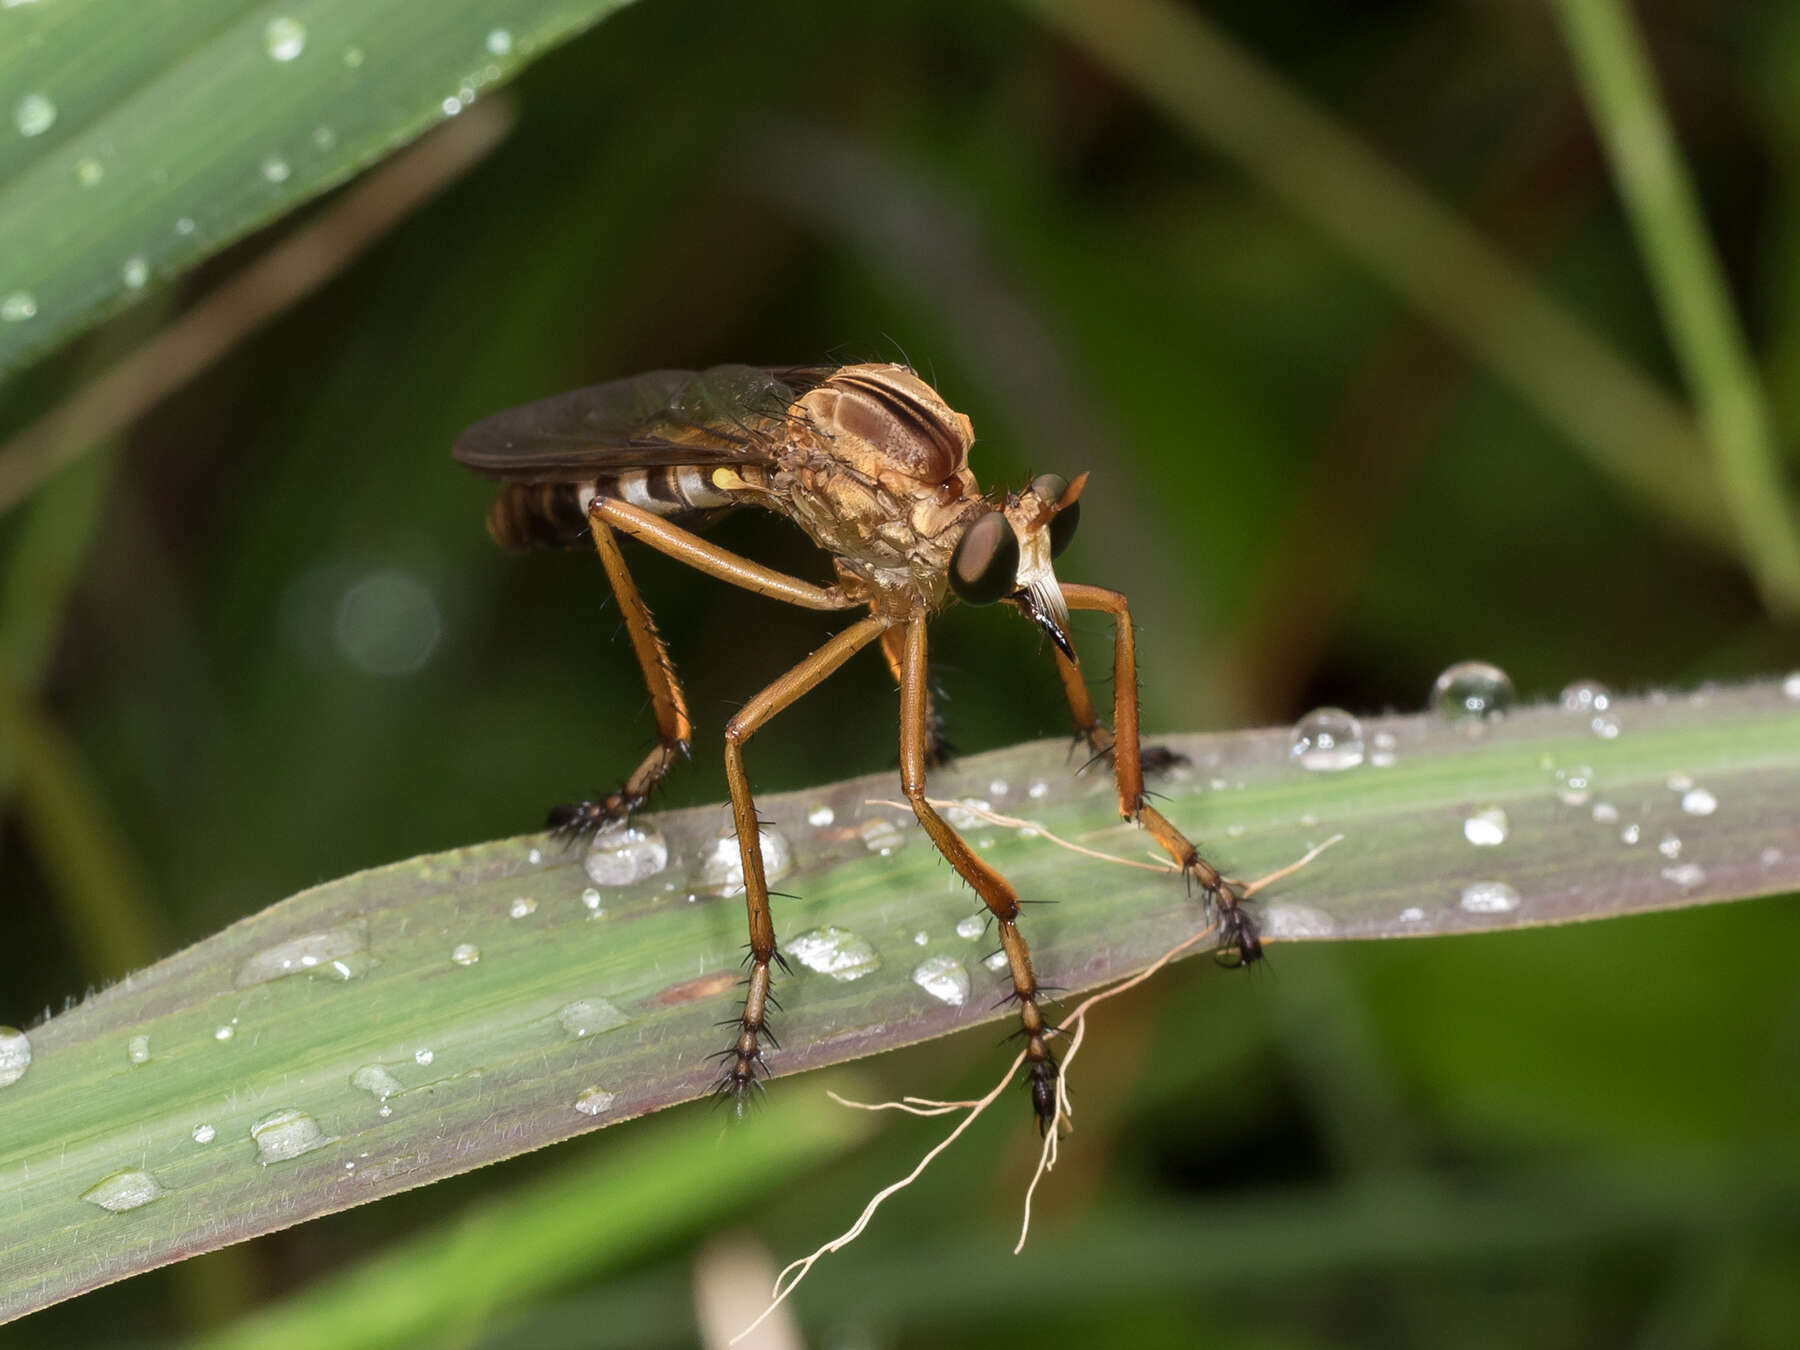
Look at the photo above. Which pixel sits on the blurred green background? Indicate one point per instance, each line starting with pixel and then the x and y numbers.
pixel 288 651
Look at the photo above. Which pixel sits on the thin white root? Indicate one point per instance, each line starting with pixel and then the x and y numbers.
pixel 1017 823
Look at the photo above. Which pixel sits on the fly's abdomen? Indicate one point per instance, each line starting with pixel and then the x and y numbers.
pixel 554 515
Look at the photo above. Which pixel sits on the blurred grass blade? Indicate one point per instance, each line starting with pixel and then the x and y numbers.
pixel 1615 74
pixel 582 1220
pixel 425 1018
pixel 145 137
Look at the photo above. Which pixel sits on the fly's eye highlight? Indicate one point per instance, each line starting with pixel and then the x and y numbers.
pixel 1049 487
pixel 985 566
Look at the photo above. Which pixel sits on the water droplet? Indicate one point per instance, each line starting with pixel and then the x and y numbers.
pixel 833 951
pixel 89 171
pixel 123 1190
pixel 1605 813
pixel 921 938
pixel 353 57
pixel 1040 789
pixel 204 1134
pixel 375 1079
pixel 1585 697
pixel 1699 802
pixel 594 1101
pixel 1769 857
pixel 1669 846
pixel 275 169
pixel 137 1050
pixel 1630 834
pixel 285 1134
pixel 18 307
pixel 1486 827
pixel 534 856
pixel 1488 897
pixel 995 961
pixel 185 225
pixel 1791 686
pixel 944 978
pixel 973 926
pixel 1678 782
pixel 1383 750
pixel 15 1055
pixel 722 867
pixel 882 836
pixel 1328 739
pixel 1575 784
pixel 423 1056
pixel 323 138
pixel 1605 726
pixel 1472 690
pixel 499 42
pixel 590 901
pixel 820 816
pixel 465 953
pixel 999 787
pixel 623 852
pixel 284 38
pixel 135 272
pixel 224 1033
pixel 1297 921
pixel 34 114
pixel 326 953
pixel 590 1017
pixel 963 814
pixel 522 907
pixel 452 106
pixel 1685 875
pixel 1412 914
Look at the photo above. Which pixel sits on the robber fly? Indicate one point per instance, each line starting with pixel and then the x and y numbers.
pixel 873 465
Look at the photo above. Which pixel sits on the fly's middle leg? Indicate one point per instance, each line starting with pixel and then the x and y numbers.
pixel 938 750
pixel 995 891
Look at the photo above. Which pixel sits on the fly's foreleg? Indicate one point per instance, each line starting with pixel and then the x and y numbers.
pixel 995 891
pixel 1238 942
pixel 1094 733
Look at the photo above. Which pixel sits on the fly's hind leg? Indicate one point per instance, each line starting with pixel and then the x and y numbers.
pixel 743 1057
pixel 996 892
pixel 673 729
pixel 1238 942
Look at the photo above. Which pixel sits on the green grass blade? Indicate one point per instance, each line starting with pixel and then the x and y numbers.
pixel 159 132
pixel 592 1004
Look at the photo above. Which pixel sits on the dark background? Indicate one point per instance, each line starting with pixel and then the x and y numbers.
pixel 1563 1139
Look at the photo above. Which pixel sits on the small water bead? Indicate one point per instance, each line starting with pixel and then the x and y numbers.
pixel 1685 875
pixel 1585 697
pixel 594 1101
pixel 323 138
pixel 452 106
pixel 18 307
pixel 534 856
pixel 834 951
pixel 377 1081
pixel 1699 802
pixel 1605 726
pixel 921 938
pixel 590 1017
pixel 185 225
pixel 1575 784
pixel 89 171
pixel 353 57
pixel 590 901
pixel 1297 921
pixel 123 1190
pixel 1327 739
pixel 1771 856
pixel 965 814
pixel 1605 813
pixel 623 853
pixel 999 788
pixel 285 1134
pixel 1486 827
pixel 881 836
pixel 326 952
pixel 973 926
pixel 284 38
pixel 944 978
pixel 135 273
pixel 137 1050
pixel 1383 750
pixel 1631 834
pixel 1472 690
pixel 499 42
pixel 995 961
pixel 820 816
pixel 224 1033
pixel 1040 789
pixel 1678 782
pixel 34 114
pixel 465 953
pixel 15 1055
pixel 1791 686
pixel 275 169
pixel 722 866
pixel 1412 914
pixel 522 907
pixel 1669 846
pixel 423 1056
pixel 204 1134
pixel 1488 897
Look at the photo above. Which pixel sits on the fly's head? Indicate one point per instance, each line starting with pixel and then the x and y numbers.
pixel 1007 553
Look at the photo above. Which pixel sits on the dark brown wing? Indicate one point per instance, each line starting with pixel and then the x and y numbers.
pixel 723 415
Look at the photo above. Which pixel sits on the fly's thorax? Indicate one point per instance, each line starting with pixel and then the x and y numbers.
pixel 889 425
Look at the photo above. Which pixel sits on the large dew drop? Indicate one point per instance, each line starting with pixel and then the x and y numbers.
pixel 331 953
pixel 1327 739
pixel 1486 827
pixel 834 951
pixel 284 38
pixel 722 865
pixel 1699 802
pixel 590 1017
pixel 18 307
pixel 944 978
pixel 15 1055
pixel 285 1134
pixel 34 114
pixel 377 1081
pixel 594 1101
pixel 137 1050
pixel 1488 897
pixel 123 1190
pixel 623 853
pixel 1472 691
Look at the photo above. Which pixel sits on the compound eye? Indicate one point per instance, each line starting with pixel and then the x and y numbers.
pixel 985 566
pixel 1049 487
